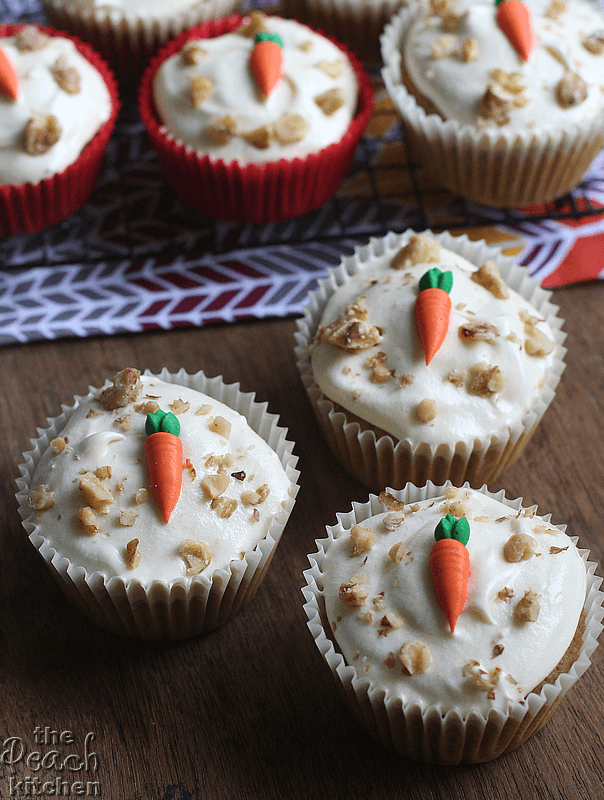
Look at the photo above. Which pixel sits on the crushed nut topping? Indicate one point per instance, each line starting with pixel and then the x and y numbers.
pixel 103 473
pixel 377 363
pixel 504 92
pixel 41 498
pixel 393 520
pixel 555 9
pixel 595 43
pixel 571 90
pixel 223 506
pixel 470 50
pixel 196 555
pixel 203 410
pixel 41 133
pixel 519 547
pixel 260 138
pixel 126 388
pixel 88 520
pixel 192 54
pixel 457 377
pixel 405 380
pixel 397 552
pixel 481 679
pixel 141 496
pixel 133 556
pixel 58 445
pixel 505 594
pixel 389 500
pixel 290 128
pixel 254 498
pixel 415 657
pixel 330 101
pixel 425 410
pixel 537 343
pixel 66 77
pixel 391 620
pixel 489 277
pixel 215 485
pixel 553 551
pixel 420 249
pixel 220 463
pixel 451 21
pixel 253 25
pixel 95 494
pixel 125 423
pixel 485 380
pixel 478 332
pixel 179 406
pixel 30 38
pixel 351 331
pixel 390 661
pixel 440 8
pixel 201 89
pixel 527 609
pixel 352 593
pixel 361 540
pixel 457 508
pixel 221 426
pixel 239 476
pixel 333 69
pixel 148 407
pixel 443 46
pixel 497 650
pixel 93 413
pixel 220 130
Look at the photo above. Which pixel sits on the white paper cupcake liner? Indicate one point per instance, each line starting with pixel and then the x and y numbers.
pixel 495 166
pixel 425 733
pixel 380 460
pixel 127 41
pixel 184 606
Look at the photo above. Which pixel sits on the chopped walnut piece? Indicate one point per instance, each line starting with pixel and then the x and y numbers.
pixel 306 46
pixel 457 377
pixel 220 130
pixel 504 92
pixel 553 551
pixel 595 43
pixel 391 620
pixel 361 540
pixel 420 249
pixel 221 426
pixel 148 407
pixel 260 138
pixel 103 473
pixel 179 406
pixel 415 657
pixel 251 498
pixel 333 69
pixel 58 445
pixel 223 506
pixel 196 555
pixel 253 25
pixel 390 661
pixel 537 344
pixel 95 494
pixel 201 88
pixel 440 8
pixel 527 609
pixel 133 556
pixel 489 277
pixel 215 485
pixel 555 9
pixel 290 128
pixel 351 331
pixel 485 380
pixel 481 679
pixel 141 496
pixel 425 410
pixel 41 133
pixel 457 508
pixel 397 552
pixel 239 476
pixel 126 388
pixel 377 363
pixel 505 594
pixel 30 38
pixel 255 515
pixel 352 593
pixel 470 50
pixel 93 413
pixel 451 21
pixel 203 410
pixel 571 90
pixel 88 520
pixel 220 463
pixel 497 650
pixel 192 54
pixel 330 101
pixel 443 46
pixel 378 601
pixel 393 520
pixel 125 423
pixel 389 500
pixel 66 77
pixel 478 332
pixel 519 547
pixel 405 380
pixel 41 498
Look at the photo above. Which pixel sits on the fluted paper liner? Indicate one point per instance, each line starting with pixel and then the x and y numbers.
pixel 429 733
pixel 257 193
pixel 30 207
pixel 184 606
pixel 128 41
pixel 379 460
pixel 493 165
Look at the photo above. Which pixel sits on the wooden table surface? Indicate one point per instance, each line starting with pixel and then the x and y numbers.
pixel 250 711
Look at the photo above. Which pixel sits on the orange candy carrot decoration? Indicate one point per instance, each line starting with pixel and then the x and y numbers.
pixel 163 450
pixel 9 80
pixel 514 19
pixel 266 61
pixel 432 310
pixel 450 566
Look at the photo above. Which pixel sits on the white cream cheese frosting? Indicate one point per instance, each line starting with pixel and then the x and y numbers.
pixel 434 60
pixel 313 68
pixel 233 487
pixel 132 8
pixel 382 609
pixel 489 372
pixel 78 114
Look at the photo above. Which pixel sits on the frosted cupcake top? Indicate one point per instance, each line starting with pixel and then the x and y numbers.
pixel 95 503
pixel 61 104
pixel 209 98
pixel 490 370
pixel 132 8
pixel 525 594
pixel 460 59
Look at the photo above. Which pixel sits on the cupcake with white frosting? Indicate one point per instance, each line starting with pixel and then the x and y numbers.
pixel 56 116
pixel 493 123
pixel 446 690
pixel 156 504
pixel 129 32
pixel 241 149
pixel 393 413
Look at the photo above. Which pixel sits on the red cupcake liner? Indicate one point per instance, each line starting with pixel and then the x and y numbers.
pixel 257 193
pixel 31 207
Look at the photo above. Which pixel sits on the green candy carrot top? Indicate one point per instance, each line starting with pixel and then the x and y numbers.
pixel 266 61
pixel 514 19
pixel 163 450
pixel 433 309
pixel 450 566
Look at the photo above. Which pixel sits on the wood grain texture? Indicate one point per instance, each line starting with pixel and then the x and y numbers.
pixel 250 710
